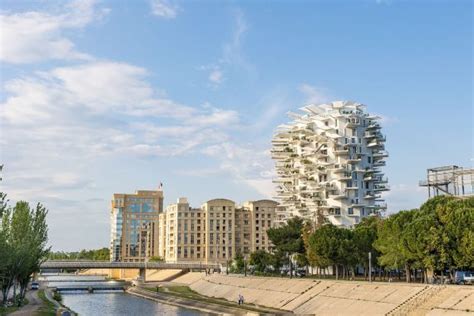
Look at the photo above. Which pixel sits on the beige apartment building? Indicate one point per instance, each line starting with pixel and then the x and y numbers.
pixel 135 225
pixel 216 231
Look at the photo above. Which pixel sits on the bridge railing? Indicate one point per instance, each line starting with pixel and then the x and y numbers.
pixel 55 264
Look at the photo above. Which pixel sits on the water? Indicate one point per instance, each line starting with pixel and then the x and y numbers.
pixel 110 303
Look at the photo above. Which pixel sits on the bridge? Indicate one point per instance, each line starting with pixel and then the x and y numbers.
pixel 80 264
pixel 91 288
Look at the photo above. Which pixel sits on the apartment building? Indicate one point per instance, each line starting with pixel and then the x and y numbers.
pixel 216 231
pixel 135 225
pixel 262 215
pixel 329 161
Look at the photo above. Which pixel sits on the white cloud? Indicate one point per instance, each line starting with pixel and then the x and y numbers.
pixel 232 57
pixel 247 164
pixel 164 9
pixel 313 95
pixel 387 120
pixel 37 36
pixel 100 108
pixel 215 76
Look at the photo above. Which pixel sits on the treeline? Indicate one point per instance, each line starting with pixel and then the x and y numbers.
pixel 94 254
pixel 23 238
pixel 438 237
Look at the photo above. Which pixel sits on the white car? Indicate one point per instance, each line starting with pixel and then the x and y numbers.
pixel 35 285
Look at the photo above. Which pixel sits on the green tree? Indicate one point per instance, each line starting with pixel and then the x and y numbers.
pixel 391 244
pixel 238 264
pixel 287 240
pixel 365 234
pixel 330 245
pixel 155 259
pixel 260 260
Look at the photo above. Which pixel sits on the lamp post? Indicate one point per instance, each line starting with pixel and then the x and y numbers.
pixel 245 265
pixel 290 265
pixel 370 266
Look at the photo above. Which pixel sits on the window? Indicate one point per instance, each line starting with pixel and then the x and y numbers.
pixel 350 211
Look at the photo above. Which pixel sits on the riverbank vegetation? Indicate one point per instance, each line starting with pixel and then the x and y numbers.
pixel 183 291
pixel 23 238
pixel 437 238
pixel 102 254
pixel 48 308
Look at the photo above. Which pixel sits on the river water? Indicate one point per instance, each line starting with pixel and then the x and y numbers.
pixel 110 303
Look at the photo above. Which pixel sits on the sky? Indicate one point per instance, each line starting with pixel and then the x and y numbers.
pixel 103 97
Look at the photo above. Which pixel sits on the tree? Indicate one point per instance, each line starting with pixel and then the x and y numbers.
pixel 102 254
pixel 365 234
pixel 330 245
pixel 390 242
pixel 155 259
pixel 238 264
pixel 24 232
pixel 260 260
pixel 288 240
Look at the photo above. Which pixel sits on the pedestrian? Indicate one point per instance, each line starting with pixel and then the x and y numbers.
pixel 242 299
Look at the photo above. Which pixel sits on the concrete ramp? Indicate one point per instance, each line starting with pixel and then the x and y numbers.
pixel 323 297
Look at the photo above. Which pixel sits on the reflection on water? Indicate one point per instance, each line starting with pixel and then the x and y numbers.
pixel 113 303
pixel 117 303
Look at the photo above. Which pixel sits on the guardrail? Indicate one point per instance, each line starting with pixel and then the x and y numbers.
pixel 50 264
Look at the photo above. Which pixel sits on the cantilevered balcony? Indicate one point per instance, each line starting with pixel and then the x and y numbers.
pixel 379 163
pixel 381 180
pixel 340 168
pixel 352 160
pixel 345 177
pixel 341 151
pixel 352 187
pixel 380 154
pixel 373 125
pixel 381 187
pixel 374 143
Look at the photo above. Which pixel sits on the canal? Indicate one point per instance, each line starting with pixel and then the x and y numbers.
pixel 110 302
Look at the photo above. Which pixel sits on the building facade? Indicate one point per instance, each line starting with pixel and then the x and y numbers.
pixel 135 225
pixel 216 231
pixel 328 162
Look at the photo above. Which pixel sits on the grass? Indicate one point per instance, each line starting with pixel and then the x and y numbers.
pixel 48 308
pixel 186 292
pixel 11 309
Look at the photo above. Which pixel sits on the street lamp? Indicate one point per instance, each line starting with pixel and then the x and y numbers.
pixel 370 266
pixel 245 265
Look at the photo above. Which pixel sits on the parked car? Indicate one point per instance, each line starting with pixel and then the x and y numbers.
pixel 464 277
pixel 35 285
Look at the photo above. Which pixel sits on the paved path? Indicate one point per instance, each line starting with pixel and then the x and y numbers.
pixel 34 303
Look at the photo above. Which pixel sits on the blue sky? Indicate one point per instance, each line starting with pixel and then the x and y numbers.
pixel 104 96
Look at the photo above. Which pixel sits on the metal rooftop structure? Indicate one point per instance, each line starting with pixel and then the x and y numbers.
pixel 449 180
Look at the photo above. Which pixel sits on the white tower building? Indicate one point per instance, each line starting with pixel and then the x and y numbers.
pixel 328 163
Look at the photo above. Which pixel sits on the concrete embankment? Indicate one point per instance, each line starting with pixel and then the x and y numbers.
pixel 210 308
pixel 324 297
